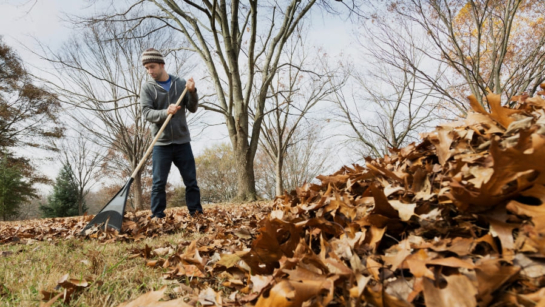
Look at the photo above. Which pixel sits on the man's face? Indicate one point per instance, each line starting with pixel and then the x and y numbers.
pixel 155 70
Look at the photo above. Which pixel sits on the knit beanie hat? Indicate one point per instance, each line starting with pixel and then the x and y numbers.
pixel 152 56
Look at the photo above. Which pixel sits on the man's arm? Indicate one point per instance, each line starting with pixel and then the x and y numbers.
pixel 192 101
pixel 151 114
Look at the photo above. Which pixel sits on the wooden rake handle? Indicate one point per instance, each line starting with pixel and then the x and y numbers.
pixel 150 148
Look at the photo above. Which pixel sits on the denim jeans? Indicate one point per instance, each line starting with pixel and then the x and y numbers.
pixel 182 156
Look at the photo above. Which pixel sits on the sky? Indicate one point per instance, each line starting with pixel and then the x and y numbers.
pixel 22 21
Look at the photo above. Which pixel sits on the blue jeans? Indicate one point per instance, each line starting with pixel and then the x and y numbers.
pixel 162 158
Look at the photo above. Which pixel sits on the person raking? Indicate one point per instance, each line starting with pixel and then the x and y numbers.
pixel 157 98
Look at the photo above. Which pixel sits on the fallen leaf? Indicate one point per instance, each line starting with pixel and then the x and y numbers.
pixel 290 293
pixel 51 301
pixel 163 251
pixel 458 292
pixel 491 274
pixel 259 282
pixel 209 297
pixel 228 260
pixel 498 113
pixel 153 298
pixel 417 264
pixel 361 282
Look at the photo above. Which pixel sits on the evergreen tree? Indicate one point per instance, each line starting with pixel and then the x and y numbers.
pixel 14 190
pixel 64 200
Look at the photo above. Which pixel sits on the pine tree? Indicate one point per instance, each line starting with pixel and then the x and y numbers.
pixel 64 200
pixel 14 190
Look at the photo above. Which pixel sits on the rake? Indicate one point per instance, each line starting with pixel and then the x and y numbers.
pixel 112 213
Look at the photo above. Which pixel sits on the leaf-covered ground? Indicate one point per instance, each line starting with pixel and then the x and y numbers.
pixel 457 220
pixel 47 260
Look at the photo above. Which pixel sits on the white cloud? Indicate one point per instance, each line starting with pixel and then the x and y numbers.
pixel 22 21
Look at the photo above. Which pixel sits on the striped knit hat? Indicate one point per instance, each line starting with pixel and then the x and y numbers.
pixel 152 56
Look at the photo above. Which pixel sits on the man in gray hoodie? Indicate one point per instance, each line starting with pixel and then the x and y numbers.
pixel 158 98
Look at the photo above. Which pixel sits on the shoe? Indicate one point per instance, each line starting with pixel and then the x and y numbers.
pixel 156 217
pixel 196 213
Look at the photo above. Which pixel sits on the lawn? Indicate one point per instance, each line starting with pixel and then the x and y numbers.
pixel 31 269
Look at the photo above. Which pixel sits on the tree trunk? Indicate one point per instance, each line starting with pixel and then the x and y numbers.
pixel 279 182
pixel 80 203
pixel 245 172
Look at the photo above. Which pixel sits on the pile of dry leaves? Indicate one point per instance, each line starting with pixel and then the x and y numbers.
pixel 457 220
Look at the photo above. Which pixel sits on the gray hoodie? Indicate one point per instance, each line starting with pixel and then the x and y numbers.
pixel 154 100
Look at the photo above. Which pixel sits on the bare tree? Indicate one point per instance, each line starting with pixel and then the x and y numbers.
pixel 84 160
pixel 216 170
pixel 308 158
pixel 304 160
pixel 390 108
pixel 488 45
pixel 295 91
pixel 31 208
pixel 99 75
pixel 241 45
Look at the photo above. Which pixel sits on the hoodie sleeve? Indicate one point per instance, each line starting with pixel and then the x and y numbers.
pixel 150 113
pixel 191 101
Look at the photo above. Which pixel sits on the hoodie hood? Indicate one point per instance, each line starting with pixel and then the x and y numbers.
pixel 174 82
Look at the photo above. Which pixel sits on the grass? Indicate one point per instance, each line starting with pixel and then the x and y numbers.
pixel 40 265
